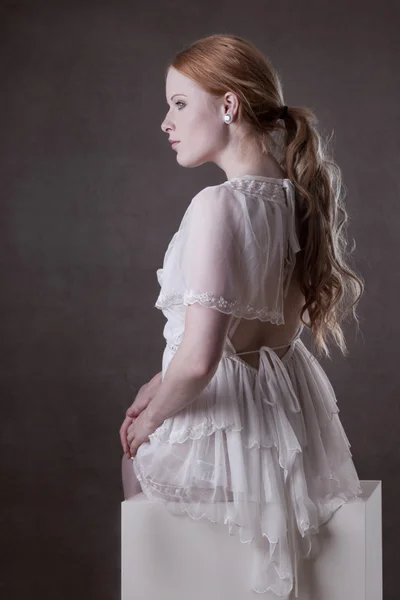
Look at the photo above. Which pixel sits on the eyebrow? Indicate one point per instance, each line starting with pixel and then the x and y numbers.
pixel 172 97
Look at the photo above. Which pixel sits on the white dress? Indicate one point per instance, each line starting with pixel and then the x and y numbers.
pixel 261 450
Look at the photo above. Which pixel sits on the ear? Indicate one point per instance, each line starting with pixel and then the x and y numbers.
pixel 231 104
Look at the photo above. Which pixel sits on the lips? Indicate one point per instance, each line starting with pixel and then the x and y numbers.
pixel 174 144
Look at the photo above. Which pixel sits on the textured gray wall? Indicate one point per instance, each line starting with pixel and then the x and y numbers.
pixel 91 194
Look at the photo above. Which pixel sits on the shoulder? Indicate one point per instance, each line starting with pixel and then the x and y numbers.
pixel 215 199
pixel 221 191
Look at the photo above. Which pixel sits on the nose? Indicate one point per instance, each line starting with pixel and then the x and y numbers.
pixel 166 126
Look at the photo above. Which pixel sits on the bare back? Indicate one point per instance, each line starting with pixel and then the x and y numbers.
pixel 251 334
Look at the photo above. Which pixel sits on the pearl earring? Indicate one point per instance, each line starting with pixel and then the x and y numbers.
pixel 227 118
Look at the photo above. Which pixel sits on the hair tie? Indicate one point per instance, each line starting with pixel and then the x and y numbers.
pixel 284 112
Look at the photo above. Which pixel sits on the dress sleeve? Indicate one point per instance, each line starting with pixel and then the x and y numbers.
pixel 226 256
pixel 214 257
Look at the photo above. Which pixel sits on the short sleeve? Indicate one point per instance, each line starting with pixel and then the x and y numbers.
pixel 227 255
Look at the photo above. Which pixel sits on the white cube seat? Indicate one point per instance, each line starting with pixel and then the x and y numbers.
pixel 169 557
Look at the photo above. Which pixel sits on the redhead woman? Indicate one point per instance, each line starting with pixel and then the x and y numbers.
pixel 241 425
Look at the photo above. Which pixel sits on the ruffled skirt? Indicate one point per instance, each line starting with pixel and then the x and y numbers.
pixel 262 451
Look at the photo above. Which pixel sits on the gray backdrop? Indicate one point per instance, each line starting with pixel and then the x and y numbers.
pixel 91 194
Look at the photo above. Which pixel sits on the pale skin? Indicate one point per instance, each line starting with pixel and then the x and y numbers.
pixel 196 119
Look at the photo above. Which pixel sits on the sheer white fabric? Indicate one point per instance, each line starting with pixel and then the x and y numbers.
pixel 260 450
pixel 232 252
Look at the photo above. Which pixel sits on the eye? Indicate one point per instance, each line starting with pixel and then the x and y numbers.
pixel 180 102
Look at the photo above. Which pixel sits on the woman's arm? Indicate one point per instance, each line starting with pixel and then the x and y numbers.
pixel 183 382
pixel 194 364
pixel 155 381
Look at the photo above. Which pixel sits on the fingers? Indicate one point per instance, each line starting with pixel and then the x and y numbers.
pixel 132 411
pixel 123 433
pixel 137 407
pixel 133 449
pixel 130 434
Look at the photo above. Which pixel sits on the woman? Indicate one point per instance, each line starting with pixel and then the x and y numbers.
pixel 241 426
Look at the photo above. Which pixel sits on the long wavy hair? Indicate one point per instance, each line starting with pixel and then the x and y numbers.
pixel 332 289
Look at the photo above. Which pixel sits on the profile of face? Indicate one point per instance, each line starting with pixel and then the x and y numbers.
pixel 195 119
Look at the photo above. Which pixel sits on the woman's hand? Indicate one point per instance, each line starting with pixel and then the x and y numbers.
pixel 141 402
pixel 139 431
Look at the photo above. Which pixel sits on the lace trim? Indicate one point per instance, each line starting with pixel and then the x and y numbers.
pixel 185 494
pixel 208 426
pixel 276 190
pixel 205 428
pixel 211 300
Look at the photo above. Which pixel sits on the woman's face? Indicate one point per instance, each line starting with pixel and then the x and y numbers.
pixel 195 119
